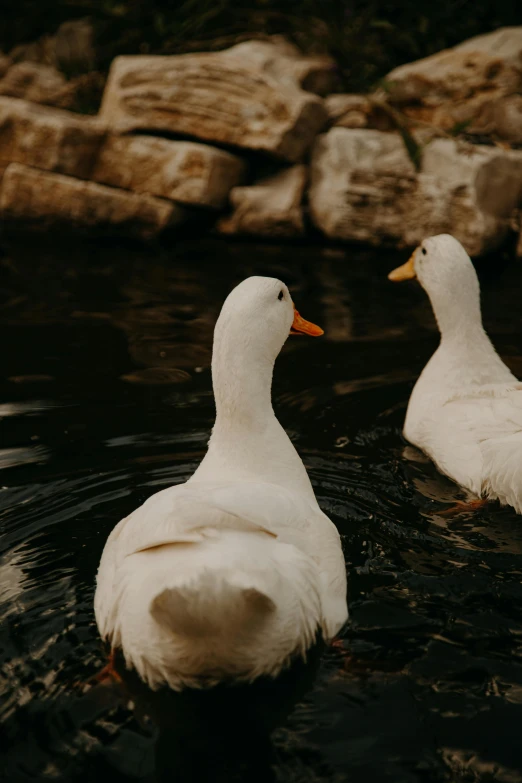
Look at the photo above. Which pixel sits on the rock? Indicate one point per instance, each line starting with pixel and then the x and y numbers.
pixel 481 186
pixel 364 187
pixel 459 85
pixel 359 181
pixel 74 50
pixel 356 111
pixel 44 201
pixel 5 64
pixel 222 97
pixel 340 104
pixel 37 83
pixel 47 138
pixel 183 171
pixel 285 62
pixel 504 43
pixel 36 70
pixel 271 207
pixel 46 85
pixel 86 92
pixel 502 118
pixel 71 49
pixel 39 51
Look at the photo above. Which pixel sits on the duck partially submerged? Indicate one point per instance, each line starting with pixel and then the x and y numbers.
pixel 465 411
pixel 237 572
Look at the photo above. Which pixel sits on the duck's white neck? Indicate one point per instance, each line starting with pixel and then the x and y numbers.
pixel 457 313
pixel 247 442
pixel 242 389
pixel 466 355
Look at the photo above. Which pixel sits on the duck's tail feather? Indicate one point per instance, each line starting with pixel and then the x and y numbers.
pixel 237 604
pixel 208 605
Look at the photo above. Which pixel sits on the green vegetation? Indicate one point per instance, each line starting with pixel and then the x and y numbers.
pixel 366 37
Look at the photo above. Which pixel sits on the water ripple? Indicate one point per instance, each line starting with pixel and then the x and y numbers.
pixel 425 682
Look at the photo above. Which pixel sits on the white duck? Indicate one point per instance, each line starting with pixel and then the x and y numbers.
pixel 236 572
pixel 465 411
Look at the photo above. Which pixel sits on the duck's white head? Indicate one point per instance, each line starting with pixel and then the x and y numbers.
pixel 257 317
pixel 444 270
pixel 254 323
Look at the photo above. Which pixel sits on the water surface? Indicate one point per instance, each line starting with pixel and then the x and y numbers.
pixel 106 398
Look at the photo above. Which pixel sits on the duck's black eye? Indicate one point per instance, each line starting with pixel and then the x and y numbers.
pixel 424 251
pixel 281 294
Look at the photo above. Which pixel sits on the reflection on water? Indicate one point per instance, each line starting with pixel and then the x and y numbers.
pixel 106 398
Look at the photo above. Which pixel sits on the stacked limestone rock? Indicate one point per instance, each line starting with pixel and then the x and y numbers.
pixel 180 133
pixel 364 185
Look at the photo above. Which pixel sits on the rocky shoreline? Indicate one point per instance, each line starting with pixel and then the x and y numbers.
pixel 254 141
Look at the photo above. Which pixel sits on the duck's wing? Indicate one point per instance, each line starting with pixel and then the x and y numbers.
pixel 293 520
pixel 476 437
pixel 500 434
pixel 190 512
pixel 164 518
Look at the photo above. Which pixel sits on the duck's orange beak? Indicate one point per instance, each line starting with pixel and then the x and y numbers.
pixel 300 326
pixel 404 272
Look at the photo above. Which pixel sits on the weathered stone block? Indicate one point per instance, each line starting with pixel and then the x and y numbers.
pixel 270 207
pixel 463 85
pixel 41 201
pixel 47 138
pixel 219 97
pixel 38 83
pixel 364 187
pixel 183 171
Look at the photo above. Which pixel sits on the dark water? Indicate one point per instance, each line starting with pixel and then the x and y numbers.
pixel 106 398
